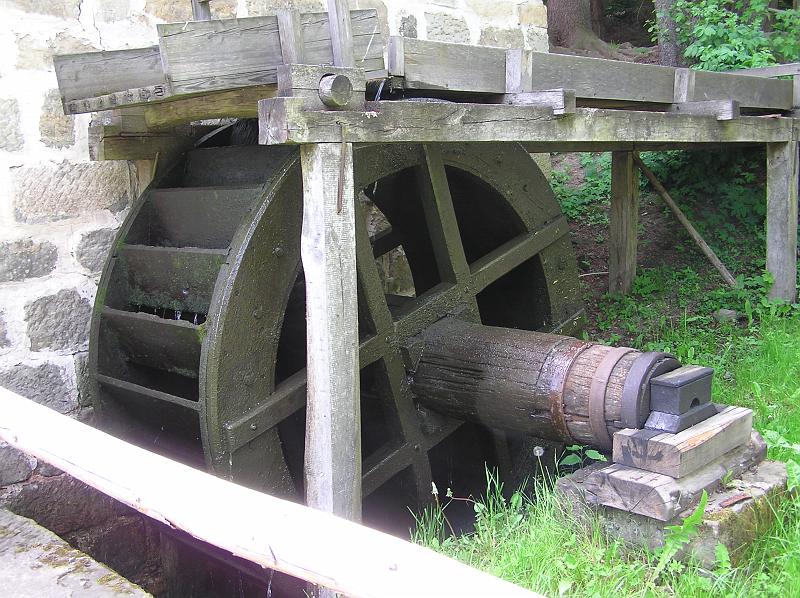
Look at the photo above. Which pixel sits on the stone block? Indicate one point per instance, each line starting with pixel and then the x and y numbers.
pixel 502 38
pixel 493 10
pixel 63 504
pixel 34 562
pixel 268 7
pixel 109 11
pixel 4 340
pixel 65 9
pixel 533 12
pixel 59 322
pixel 92 250
pixel 10 133
pixel 56 129
pixel 172 11
pixel 442 27
pixel 34 53
pixel 47 192
pixel 408 26
pixel 46 384
pixel 84 383
pixel 26 258
pixel 15 466
pixel 737 513
pixel 536 38
pixel 47 470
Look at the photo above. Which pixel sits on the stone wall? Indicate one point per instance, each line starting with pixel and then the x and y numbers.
pixel 59 211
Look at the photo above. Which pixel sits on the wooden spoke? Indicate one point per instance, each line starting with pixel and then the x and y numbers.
pixel 384 241
pixel 287 398
pixel 508 256
pixel 440 218
pixel 369 281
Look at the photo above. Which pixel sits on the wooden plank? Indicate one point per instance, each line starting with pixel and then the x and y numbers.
pixel 598 78
pixel 140 147
pixel 719 109
pixel 94 74
pixel 518 71
pixel 328 249
pixel 623 222
pixel 663 497
pixel 236 103
pixel 341 33
pixel 779 70
pixel 291 36
pixel 229 53
pixel 782 182
pixel 456 67
pixel 284 120
pixel 678 455
pixel 562 101
pixel 201 11
pixel 273 533
pixel 750 92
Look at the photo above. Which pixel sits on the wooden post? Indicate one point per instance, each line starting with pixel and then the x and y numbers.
pixel 341 33
pixel 291 36
pixel 624 221
pixel 333 447
pixel 782 182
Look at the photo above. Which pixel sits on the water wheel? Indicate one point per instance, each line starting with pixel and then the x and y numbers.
pixel 198 334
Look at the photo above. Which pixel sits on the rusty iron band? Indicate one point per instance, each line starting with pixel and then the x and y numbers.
pixel 597 395
pixel 635 392
pixel 561 360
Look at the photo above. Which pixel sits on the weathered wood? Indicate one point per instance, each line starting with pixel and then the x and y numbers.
pixel 215 55
pixel 709 253
pixel 273 533
pixel 545 385
pixel 623 223
pixel 750 92
pixel 236 103
pixel 518 71
pixel 291 36
pixel 333 440
pixel 779 70
pixel 678 455
pixel 284 120
pixel 662 497
pixel 782 196
pixel 719 109
pixel 201 11
pixel 140 147
pixel 440 65
pixel 94 74
pixel 341 33
pixel 562 101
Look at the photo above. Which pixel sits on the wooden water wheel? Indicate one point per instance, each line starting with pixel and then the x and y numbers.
pixel 198 335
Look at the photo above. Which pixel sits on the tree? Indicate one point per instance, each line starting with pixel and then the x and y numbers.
pixel 669 51
pixel 569 25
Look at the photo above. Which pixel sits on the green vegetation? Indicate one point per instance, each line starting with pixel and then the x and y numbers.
pixel 720 35
pixel 535 539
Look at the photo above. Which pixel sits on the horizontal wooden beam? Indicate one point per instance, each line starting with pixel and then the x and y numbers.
pixel 273 533
pixel 236 103
pixel 283 120
pixel 779 70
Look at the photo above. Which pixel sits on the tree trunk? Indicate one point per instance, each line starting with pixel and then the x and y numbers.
pixel 568 21
pixel 597 17
pixel 669 52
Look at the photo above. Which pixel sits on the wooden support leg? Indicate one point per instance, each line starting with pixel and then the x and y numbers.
pixel 782 182
pixel 624 221
pixel 328 248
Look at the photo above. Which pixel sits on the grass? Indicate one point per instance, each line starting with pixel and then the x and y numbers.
pixel 537 542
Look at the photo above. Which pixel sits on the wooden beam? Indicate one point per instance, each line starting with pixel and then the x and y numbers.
pixel 341 33
pixel 562 101
pixel 678 455
pixel 779 70
pixel 623 222
pixel 284 120
pixel 236 103
pixel 290 32
pixel 201 11
pixel 782 196
pixel 719 109
pixel 333 438
pixel 273 533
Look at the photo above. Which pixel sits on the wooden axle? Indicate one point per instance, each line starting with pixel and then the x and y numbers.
pixel 546 385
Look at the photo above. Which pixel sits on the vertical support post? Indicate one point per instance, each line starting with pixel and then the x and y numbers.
pixel 328 249
pixel 291 36
pixel 782 183
pixel 341 33
pixel 201 11
pixel 624 221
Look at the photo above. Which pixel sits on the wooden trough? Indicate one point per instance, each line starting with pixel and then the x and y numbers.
pixel 199 301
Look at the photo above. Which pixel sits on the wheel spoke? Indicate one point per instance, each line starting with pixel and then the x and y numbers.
pixel 504 259
pixel 369 280
pixel 440 217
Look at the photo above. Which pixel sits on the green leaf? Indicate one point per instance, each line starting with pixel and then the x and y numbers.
pixel 572 459
pixel 595 455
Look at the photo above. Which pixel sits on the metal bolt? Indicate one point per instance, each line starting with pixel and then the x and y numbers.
pixel 278 251
pixel 254 426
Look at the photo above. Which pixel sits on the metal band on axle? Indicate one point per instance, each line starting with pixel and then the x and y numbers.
pixel 597 395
